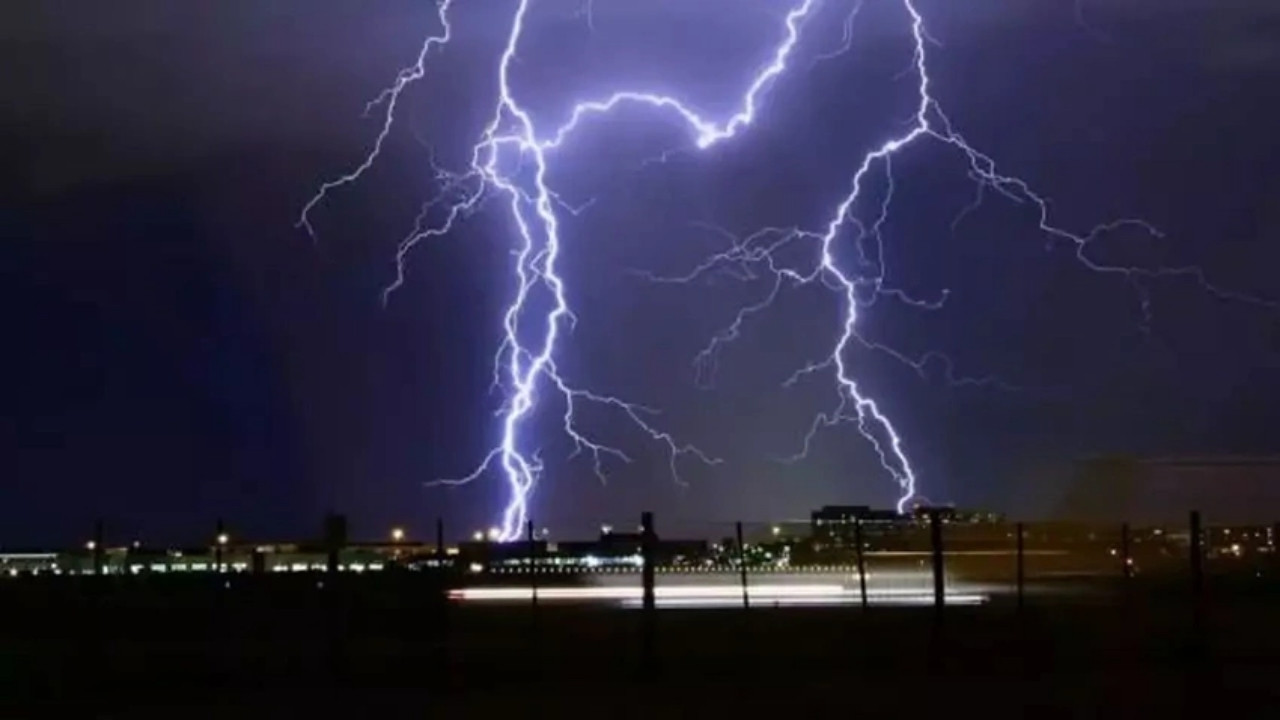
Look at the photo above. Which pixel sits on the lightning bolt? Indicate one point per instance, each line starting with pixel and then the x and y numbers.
pixel 510 164
pixel 929 122
pixel 511 138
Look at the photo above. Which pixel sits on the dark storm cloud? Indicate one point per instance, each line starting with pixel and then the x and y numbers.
pixel 114 89
pixel 1227 35
pixel 1234 35
pixel 1247 43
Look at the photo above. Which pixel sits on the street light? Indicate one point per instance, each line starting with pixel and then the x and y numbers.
pixel 91 545
pixel 397 534
pixel 223 539
pixel 777 531
pixel 494 534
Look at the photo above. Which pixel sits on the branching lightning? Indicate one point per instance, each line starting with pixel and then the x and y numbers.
pixel 388 98
pixel 929 123
pixel 524 366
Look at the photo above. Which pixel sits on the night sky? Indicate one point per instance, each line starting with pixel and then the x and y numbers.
pixel 178 351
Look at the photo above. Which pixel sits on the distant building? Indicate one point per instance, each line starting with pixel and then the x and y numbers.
pixel 517 552
pixel 951 514
pixel 833 527
pixel 623 547
pixel 1228 490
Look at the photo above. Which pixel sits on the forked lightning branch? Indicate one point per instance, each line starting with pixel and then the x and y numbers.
pixel 534 331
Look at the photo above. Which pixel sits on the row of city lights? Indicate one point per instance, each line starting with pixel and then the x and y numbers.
pixel 493 534
pixel 397 535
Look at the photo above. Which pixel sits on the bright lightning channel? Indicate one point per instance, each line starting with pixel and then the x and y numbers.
pixel 929 122
pixel 511 135
pixel 511 138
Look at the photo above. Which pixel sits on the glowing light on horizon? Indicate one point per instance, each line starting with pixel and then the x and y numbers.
pixel 711 596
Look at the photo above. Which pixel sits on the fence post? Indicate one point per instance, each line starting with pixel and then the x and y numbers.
pixel 648 621
pixel 99 550
pixel 862 565
pixel 533 564
pixel 445 579
pixel 94 635
pixel 1022 574
pixel 1197 573
pixel 939 578
pixel 439 542
pixel 218 536
pixel 1197 556
pixel 742 566
pixel 1126 554
pixel 646 556
pixel 335 538
pixel 1274 543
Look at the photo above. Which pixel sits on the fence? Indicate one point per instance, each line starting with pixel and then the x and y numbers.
pixel 846 560
pixel 634 595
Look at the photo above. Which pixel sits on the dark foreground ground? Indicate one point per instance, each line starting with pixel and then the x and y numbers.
pixel 387 649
